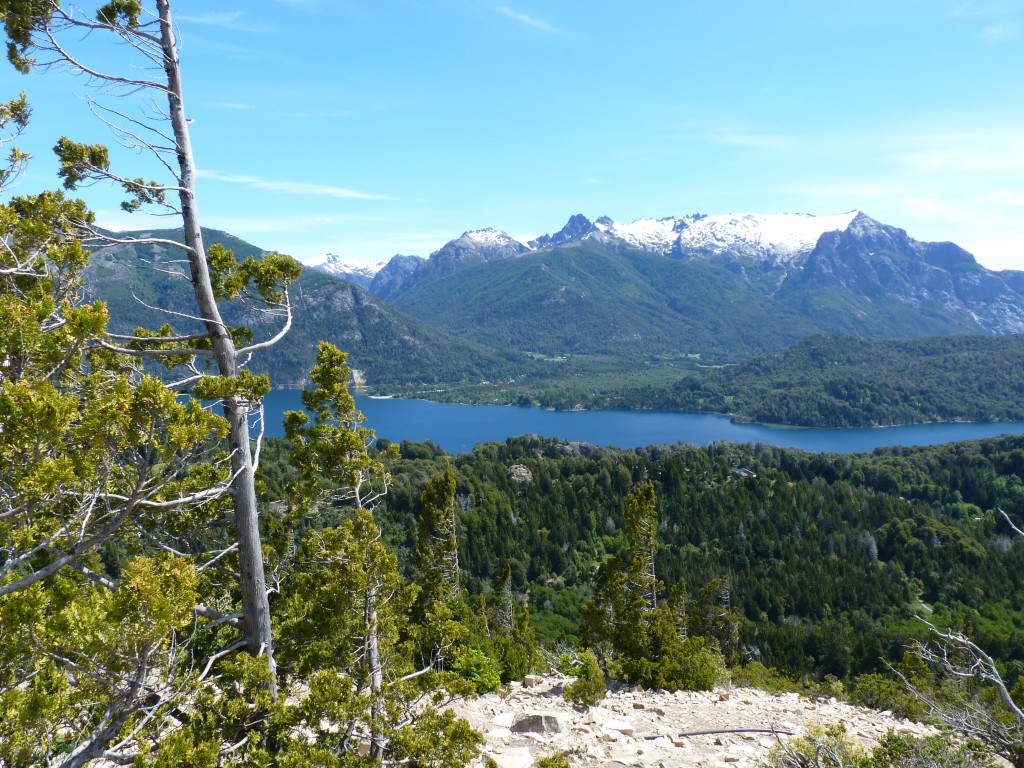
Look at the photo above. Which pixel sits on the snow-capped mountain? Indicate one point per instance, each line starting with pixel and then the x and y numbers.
pixel 477 245
pixel 779 239
pixel 359 272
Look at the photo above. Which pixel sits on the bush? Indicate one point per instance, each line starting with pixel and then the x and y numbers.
pixel 589 688
pixel 757 675
pixel 478 668
pixel 827 747
pixel 554 761
pixel 879 692
pixel 896 751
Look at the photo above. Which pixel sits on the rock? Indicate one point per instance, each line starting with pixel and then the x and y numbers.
pixel 619 726
pixel 532 681
pixel 514 757
pixel 518 473
pixel 538 723
pixel 595 715
pixel 639 705
pixel 505 719
pixel 498 733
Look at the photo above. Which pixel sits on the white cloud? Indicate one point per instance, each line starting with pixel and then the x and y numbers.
pixel 232 105
pixel 738 137
pixel 531 21
pixel 225 20
pixel 289 187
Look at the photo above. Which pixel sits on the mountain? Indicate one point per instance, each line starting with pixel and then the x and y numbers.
pixel 390 348
pixel 621 305
pixel 724 286
pixel 403 273
pixel 358 272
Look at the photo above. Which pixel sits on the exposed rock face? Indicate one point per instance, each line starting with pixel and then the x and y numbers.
pixel 396 275
pixel 576 449
pixel 647 729
pixel 577 228
pixel 518 473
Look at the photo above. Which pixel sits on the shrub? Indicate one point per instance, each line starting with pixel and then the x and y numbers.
pixel 879 692
pixel 757 675
pixel 554 761
pixel 479 668
pixel 896 751
pixel 589 688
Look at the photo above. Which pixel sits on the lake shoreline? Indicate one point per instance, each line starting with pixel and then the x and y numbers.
pixel 457 428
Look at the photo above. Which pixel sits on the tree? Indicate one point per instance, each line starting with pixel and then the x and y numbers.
pixel 967 691
pixel 44 27
pixel 347 612
pixel 437 553
pixel 646 642
pixel 97 461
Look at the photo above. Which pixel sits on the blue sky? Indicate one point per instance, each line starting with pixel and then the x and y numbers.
pixel 391 126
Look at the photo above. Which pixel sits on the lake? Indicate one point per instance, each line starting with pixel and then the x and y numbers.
pixel 457 428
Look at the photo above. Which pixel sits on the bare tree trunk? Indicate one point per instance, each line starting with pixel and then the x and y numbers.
pixel 255 604
pixel 376 675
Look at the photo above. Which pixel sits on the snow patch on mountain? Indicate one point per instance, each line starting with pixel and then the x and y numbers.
pixel 337 265
pixel 779 238
pixel 359 272
pixel 490 237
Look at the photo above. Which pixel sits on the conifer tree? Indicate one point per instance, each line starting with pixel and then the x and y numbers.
pixel 152 69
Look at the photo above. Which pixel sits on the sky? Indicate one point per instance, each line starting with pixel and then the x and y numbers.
pixel 370 128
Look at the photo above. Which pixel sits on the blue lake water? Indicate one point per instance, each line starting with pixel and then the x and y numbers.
pixel 457 428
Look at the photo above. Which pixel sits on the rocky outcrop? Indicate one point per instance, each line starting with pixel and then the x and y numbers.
pixel 651 729
pixel 519 473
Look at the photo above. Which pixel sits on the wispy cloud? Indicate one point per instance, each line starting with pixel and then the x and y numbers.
pixel 226 20
pixel 1001 19
pixel 232 105
pixel 981 10
pixel 530 21
pixel 1001 30
pixel 743 138
pixel 289 187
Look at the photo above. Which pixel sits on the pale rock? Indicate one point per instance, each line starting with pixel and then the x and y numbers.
pixel 533 681
pixel 538 722
pixel 499 733
pixel 513 757
pixel 620 726
pixel 505 719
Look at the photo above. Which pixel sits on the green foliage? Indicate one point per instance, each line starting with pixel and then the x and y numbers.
pixel 478 668
pixel 589 687
pixel 554 761
pixel 828 381
pixel 393 351
pixel 900 751
pixel 882 692
pixel 516 649
pixel 830 747
pixel 757 675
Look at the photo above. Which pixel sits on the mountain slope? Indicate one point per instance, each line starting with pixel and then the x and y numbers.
pixel 596 298
pixel 390 348
pixel 826 381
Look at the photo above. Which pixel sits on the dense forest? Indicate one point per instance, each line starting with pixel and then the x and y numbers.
pixel 827 381
pixel 826 558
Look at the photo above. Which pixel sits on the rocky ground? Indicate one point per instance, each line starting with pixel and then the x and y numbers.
pixel 652 729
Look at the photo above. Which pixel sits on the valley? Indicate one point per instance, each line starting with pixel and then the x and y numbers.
pixel 700 313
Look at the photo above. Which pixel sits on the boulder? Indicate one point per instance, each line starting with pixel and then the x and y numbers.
pixel 538 723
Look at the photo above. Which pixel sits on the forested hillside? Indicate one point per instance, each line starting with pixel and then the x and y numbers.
pixel 828 381
pixel 392 350
pixel 825 559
